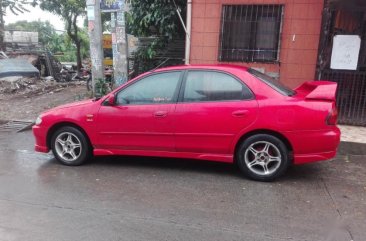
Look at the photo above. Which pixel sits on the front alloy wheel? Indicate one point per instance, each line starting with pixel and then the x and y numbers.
pixel 70 146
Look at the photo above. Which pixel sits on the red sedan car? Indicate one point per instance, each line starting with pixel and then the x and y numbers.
pixel 222 113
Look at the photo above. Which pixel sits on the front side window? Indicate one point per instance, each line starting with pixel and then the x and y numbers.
pixel 154 89
pixel 213 86
pixel 250 33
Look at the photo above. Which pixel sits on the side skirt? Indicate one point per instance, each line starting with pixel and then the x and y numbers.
pixel 189 155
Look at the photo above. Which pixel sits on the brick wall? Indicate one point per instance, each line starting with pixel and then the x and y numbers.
pixel 299 38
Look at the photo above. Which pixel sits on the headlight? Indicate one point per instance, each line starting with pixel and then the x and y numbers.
pixel 38 120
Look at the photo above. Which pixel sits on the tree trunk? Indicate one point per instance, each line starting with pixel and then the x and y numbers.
pixel 72 22
pixel 2 27
pixel 78 55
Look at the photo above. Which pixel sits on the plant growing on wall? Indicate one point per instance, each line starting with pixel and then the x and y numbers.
pixel 154 18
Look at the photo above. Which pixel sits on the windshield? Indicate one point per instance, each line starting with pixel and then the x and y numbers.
pixel 276 85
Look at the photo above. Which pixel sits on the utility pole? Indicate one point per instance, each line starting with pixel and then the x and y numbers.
pixel 96 43
pixel 119 45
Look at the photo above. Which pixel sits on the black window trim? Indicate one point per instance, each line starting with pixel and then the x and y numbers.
pixel 286 91
pixel 183 86
pixel 176 91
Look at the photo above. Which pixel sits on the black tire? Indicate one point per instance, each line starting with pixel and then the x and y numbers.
pixel 262 157
pixel 66 140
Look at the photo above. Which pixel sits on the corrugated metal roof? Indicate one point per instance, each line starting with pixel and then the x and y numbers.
pixel 17 67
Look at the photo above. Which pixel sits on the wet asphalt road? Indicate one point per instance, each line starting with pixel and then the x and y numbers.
pixel 168 199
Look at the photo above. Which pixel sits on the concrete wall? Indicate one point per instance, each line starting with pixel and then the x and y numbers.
pixel 20 37
pixel 297 62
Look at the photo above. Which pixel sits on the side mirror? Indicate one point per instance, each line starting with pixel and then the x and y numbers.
pixel 111 100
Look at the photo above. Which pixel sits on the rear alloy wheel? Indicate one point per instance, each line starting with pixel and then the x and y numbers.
pixel 263 157
pixel 70 146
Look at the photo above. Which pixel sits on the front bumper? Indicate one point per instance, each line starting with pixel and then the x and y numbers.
pixel 40 135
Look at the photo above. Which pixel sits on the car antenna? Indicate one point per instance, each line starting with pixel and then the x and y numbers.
pixel 153 70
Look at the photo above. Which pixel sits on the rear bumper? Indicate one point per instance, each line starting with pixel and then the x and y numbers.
pixel 40 135
pixel 312 146
pixel 313 157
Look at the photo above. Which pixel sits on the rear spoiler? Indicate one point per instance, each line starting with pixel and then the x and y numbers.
pixel 318 90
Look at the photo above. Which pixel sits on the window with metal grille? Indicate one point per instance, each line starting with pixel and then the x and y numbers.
pixel 250 33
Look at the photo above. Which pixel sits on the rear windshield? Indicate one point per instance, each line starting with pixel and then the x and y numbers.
pixel 276 85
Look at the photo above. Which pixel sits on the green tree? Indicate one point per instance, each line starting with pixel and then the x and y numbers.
pixel 53 41
pixel 70 11
pixel 69 48
pixel 17 7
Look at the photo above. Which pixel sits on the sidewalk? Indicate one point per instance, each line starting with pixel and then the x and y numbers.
pixel 354 134
pixel 353 140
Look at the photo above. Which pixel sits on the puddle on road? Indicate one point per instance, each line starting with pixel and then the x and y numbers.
pixel 30 158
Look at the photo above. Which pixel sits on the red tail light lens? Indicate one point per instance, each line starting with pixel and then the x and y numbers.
pixel 332 116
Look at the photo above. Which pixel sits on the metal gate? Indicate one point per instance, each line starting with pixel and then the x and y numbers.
pixel 345 17
pixel 351 95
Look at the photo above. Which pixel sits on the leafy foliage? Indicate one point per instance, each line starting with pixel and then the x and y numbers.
pixel 16 6
pixel 67 9
pixel 154 18
pixel 68 48
pixel 63 44
pixel 144 56
pixel 102 87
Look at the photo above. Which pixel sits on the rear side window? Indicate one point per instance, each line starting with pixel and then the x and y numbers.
pixel 214 86
pixel 276 85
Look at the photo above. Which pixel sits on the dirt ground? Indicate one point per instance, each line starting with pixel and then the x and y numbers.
pixel 27 105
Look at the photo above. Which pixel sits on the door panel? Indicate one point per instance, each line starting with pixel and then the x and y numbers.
pixel 213 107
pixel 142 118
pixel 137 127
pixel 211 127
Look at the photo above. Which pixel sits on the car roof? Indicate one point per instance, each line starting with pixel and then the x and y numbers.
pixel 204 66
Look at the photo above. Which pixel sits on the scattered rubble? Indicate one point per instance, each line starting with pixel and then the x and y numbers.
pixel 27 102
pixel 17 84
pixel 31 86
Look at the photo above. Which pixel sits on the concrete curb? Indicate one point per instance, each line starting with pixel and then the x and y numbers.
pixel 352 148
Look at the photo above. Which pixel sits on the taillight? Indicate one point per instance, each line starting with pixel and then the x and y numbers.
pixel 332 116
